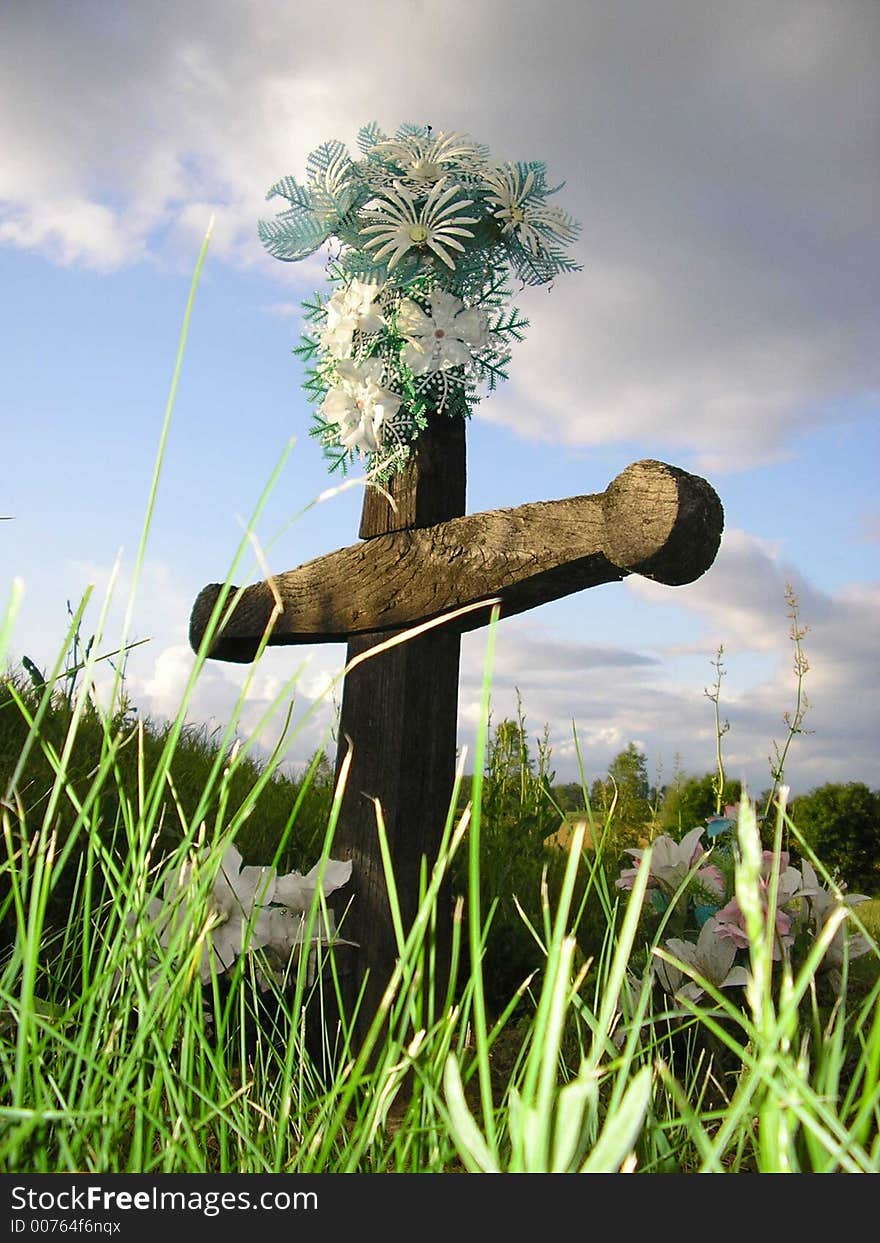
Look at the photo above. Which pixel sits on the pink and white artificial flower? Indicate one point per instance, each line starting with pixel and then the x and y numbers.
pixel 819 903
pixel 671 861
pixel 732 926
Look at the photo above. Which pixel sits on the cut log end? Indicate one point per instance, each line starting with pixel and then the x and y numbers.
pixel 235 649
pixel 662 523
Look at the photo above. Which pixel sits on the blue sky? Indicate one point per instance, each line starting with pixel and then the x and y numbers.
pixel 723 162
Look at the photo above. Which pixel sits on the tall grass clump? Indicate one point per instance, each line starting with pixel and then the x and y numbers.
pixel 582 1028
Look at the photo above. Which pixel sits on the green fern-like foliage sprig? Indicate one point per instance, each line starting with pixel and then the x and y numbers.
pixel 427 231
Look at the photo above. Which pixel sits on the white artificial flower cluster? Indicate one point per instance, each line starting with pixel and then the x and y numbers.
pixel 428 228
pixel 249 908
pixel 363 397
pixel 353 309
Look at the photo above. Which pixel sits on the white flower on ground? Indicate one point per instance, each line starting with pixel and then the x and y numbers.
pixel 239 892
pixel 444 337
pixel 296 892
pixel 426 158
pixel 436 225
pixel 523 212
pixel 249 908
pixel 350 310
pixel 360 405
pixel 711 957
pixel 671 861
pixel 818 903
pixel 821 901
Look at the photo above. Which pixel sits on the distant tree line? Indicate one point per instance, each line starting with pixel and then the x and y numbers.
pixel 839 821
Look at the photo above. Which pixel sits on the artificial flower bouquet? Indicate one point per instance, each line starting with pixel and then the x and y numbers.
pixel 692 889
pixel 425 232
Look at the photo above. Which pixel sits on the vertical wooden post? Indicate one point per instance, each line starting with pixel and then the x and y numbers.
pixel 399 715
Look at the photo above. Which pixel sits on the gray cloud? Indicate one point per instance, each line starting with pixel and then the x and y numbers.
pixel 656 695
pixel 528 654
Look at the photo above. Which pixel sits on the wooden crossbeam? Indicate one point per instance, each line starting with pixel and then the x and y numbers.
pixel 653 519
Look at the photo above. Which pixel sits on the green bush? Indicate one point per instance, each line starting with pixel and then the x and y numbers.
pixel 690 801
pixel 264 815
pixel 523 861
pixel 841 822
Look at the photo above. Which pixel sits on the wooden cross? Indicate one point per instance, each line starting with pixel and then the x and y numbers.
pixel 419 561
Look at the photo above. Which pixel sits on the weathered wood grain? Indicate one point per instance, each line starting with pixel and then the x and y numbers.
pixel 429 489
pixel 653 519
pixel 399 719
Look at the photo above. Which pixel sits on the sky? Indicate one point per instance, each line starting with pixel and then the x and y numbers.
pixel 724 163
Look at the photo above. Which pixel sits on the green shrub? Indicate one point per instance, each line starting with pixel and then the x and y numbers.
pixel 841 822
pixel 264 809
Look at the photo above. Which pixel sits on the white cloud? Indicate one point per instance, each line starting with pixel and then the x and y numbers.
pixel 605 366
pixel 73 230
pixel 278 696
pixel 161 690
pixel 160 603
pixel 720 161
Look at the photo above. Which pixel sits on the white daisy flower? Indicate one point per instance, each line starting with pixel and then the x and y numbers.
pixel 360 405
pixel 444 337
pixel 529 218
pixel 403 224
pixel 426 158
